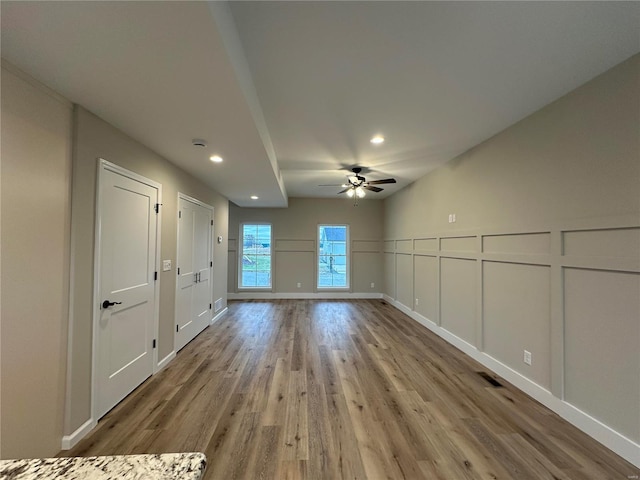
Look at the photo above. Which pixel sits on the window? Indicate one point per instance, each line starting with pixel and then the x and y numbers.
pixel 333 256
pixel 255 256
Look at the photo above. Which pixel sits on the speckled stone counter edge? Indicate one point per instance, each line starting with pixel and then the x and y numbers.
pixel 166 466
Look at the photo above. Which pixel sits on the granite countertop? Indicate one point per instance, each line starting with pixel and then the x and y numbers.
pixel 167 466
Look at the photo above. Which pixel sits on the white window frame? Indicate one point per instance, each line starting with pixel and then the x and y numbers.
pixel 347 249
pixel 241 255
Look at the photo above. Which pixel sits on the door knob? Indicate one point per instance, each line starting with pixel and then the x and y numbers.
pixel 107 304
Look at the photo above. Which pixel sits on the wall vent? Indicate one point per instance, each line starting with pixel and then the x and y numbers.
pixel 218 305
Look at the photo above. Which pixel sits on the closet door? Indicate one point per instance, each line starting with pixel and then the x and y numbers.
pixel 202 291
pixel 194 288
pixel 124 327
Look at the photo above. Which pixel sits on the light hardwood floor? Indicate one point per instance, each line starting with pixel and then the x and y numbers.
pixel 301 389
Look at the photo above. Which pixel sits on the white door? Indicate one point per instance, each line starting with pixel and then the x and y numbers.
pixel 202 241
pixel 185 329
pixel 125 327
pixel 194 289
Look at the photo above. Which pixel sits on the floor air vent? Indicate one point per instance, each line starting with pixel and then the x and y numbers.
pixel 218 305
pixel 490 379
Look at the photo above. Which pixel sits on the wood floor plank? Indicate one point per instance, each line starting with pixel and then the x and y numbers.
pixel 207 417
pixel 490 441
pixel 329 373
pixel 296 430
pixel 364 424
pixel 452 455
pixel 322 462
pixel 292 470
pixel 276 407
pixel 336 389
pixel 543 467
pixel 344 441
pixel 264 461
pixel 240 448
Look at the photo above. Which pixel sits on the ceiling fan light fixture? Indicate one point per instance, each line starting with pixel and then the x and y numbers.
pixel 357 185
pixel 377 139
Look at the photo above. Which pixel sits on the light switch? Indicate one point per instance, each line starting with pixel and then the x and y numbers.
pixel 166 265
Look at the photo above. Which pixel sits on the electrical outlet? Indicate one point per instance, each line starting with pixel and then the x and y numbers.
pixel 166 265
pixel 417 302
pixel 373 285
pixel 527 357
pixel 299 285
pixel 453 216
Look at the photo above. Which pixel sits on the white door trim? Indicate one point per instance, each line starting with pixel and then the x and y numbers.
pixel 183 196
pixel 103 165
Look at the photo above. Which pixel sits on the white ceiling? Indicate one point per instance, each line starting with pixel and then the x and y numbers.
pixel 289 93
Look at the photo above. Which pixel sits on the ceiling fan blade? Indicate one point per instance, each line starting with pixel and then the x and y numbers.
pixel 345 190
pixel 332 185
pixel 381 182
pixel 373 189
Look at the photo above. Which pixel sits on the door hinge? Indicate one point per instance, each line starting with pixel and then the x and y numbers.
pixel 212 223
pixel 177 328
pixel 155 275
pixel 156 207
pixel 179 213
pixel 210 306
pixel 211 264
pixel 154 343
pixel 178 270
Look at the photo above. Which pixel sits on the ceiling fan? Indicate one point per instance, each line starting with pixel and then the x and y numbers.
pixel 357 184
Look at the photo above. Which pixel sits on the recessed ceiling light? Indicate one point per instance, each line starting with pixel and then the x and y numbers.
pixel 377 140
pixel 254 197
pixel 216 158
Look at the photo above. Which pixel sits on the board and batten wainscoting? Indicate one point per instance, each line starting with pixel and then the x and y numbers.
pixel 568 294
pixel 295 261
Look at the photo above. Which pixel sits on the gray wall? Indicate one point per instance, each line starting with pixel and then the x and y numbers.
pixel 49 163
pixel 35 186
pixel 94 138
pixel 295 232
pixel 545 252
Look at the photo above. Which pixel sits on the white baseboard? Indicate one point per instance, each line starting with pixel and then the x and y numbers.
pixel 165 361
pixel 300 295
pixel 626 448
pixel 219 315
pixel 70 441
